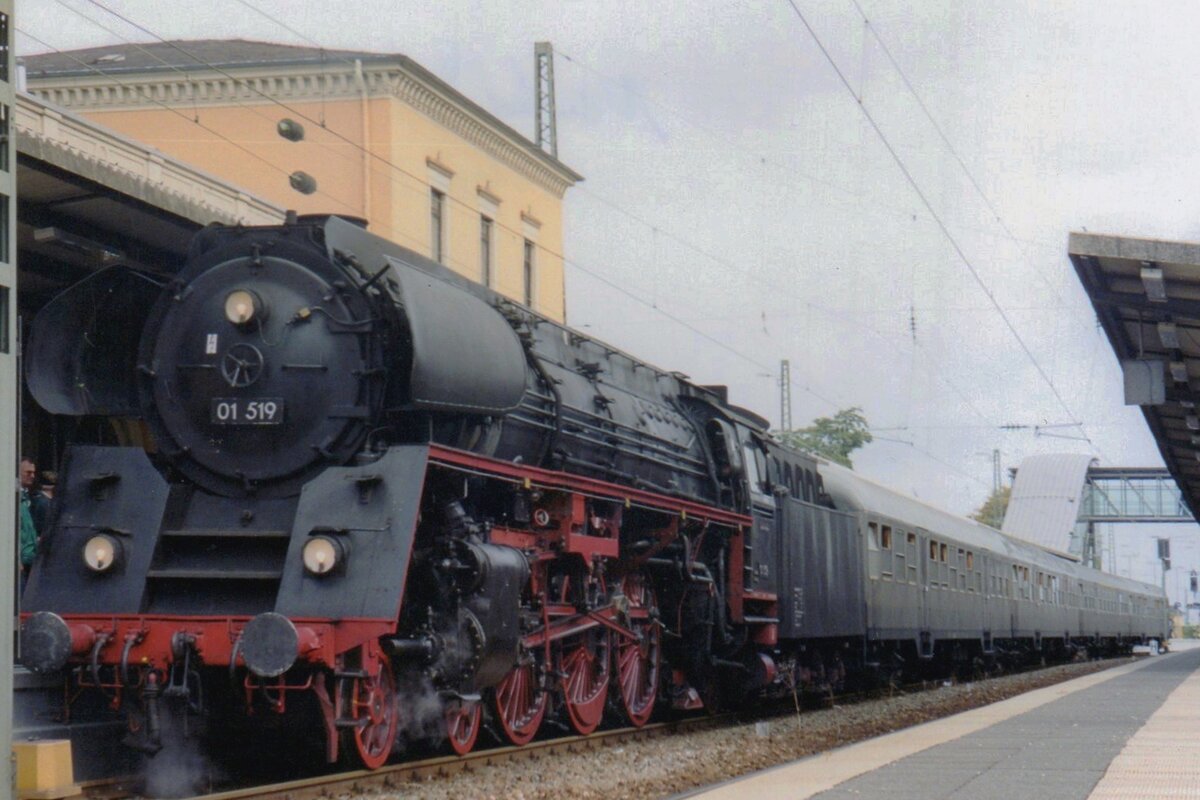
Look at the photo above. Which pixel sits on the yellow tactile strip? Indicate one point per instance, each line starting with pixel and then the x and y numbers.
pixel 818 773
pixel 1161 760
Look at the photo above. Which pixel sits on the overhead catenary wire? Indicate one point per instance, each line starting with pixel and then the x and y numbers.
pixel 250 108
pixel 750 275
pixel 952 467
pixel 657 230
pixel 168 107
pixel 785 171
pixel 572 262
pixel 991 207
pixel 916 187
pixel 175 68
pixel 238 101
pixel 597 276
pixel 269 98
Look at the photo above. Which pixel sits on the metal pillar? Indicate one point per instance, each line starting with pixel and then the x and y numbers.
pixel 1164 559
pixel 9 383
pixel 545 117
pixel 785 395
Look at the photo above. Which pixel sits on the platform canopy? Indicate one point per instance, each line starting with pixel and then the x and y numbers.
pixel 1146 293
pixel 89 197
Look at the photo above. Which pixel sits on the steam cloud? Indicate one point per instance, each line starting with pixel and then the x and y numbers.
pixel 181 768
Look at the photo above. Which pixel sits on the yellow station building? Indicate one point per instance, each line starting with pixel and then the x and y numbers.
pixel 384 139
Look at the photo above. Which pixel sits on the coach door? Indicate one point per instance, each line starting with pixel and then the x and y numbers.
pixel 924 596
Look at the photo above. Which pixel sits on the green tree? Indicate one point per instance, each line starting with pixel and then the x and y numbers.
pixel 834 438
pixel 992 510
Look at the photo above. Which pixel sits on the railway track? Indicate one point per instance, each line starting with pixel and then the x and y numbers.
pixel 394 776
pixel 391 776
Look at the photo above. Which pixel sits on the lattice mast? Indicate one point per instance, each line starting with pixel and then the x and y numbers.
pixel 545 117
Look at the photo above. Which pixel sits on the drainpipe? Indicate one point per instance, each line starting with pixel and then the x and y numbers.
pixel 366 133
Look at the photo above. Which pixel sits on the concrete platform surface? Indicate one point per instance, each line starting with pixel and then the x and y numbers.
pixel 1131 732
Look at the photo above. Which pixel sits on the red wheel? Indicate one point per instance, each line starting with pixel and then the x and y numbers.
pixel 372 700
pixel 520 704
pixel 585 679
pixel 637 661
pixel 462 724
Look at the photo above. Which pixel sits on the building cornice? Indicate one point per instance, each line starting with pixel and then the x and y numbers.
pixel 401 79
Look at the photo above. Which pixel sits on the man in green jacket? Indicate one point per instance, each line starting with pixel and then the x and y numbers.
pixel 29 538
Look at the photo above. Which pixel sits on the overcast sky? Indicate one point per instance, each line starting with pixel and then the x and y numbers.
pixel 733 183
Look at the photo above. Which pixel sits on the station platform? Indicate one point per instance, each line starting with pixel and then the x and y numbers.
pixel 1131 732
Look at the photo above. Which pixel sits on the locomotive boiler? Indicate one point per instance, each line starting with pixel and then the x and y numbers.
pixel 346 474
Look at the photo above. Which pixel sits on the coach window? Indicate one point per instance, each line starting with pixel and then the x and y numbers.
pixel 933 567
pixel 911 541
pixel 885 537
pixel 879 563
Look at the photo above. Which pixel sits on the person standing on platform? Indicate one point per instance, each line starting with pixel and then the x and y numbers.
pixel 33 508
pixel 29 536
pixel 39 502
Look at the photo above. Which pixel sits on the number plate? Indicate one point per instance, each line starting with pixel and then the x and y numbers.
pixel 247 411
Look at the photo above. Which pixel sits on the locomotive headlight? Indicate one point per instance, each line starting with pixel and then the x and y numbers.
pixel 322 554
pixel 241 306
pixel 101 552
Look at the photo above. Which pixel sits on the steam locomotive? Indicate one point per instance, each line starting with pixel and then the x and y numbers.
pixel 345 470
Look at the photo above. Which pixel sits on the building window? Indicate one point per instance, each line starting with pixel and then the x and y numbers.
pixel 437 225
pixel 3 319
pixel 5 46
pixel 4 115
pixel 528 273
pixel 485 251
pixel 5 242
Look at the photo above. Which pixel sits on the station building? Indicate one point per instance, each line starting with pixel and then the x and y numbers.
pixel 384 139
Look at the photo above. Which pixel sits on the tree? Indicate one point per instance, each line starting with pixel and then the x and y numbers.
pixel 834 438
pixel 992 510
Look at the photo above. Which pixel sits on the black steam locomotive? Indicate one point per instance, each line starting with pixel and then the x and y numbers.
pixel 347 472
